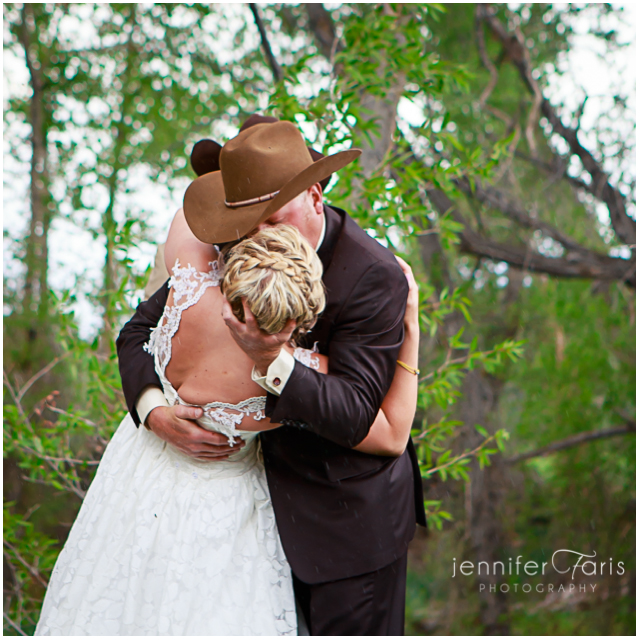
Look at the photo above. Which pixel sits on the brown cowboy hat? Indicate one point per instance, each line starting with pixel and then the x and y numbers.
pixel 263 168
pixel 205 155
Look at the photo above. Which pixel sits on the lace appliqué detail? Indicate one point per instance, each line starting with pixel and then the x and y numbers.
pixel 188 286
pixel 306 357
pixel 229 416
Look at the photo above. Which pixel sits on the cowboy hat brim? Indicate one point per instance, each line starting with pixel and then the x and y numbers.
pixel 213 222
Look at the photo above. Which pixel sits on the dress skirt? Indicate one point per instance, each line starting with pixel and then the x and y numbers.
pixel 166 545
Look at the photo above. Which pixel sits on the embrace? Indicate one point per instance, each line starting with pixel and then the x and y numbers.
pixel 271 487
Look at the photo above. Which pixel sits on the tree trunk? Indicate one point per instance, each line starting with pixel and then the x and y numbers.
pixel 35 301
pixel 109 224
pixel 382 109
pixel 485 492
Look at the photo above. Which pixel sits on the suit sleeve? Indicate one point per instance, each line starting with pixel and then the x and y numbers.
pixel 136 366
pixel 363 349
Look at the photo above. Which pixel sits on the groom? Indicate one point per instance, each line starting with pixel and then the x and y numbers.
pixel 345 517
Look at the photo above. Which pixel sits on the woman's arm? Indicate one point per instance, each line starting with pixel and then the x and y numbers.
pixel 390 432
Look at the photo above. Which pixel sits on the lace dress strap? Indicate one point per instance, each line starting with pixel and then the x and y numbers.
pixel 188 286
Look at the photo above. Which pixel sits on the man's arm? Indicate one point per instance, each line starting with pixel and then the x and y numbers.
pixel 136 366
pixel 363 350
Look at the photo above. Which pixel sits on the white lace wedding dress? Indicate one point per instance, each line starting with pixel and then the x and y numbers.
pixel 166 545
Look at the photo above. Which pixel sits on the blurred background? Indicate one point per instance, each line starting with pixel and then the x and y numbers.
pixel 498 158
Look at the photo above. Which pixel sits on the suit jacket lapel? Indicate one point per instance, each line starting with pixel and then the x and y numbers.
pixel 321 332
pixel 335 222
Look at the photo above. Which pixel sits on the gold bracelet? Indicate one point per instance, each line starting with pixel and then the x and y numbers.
pixel 415 372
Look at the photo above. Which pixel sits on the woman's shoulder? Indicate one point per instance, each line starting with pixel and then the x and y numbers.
pixel 184 247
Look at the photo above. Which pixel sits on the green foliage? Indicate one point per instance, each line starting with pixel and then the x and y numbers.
pixel 53 447
pixel 29 557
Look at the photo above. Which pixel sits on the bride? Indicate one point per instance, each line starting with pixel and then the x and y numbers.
pixel 168 545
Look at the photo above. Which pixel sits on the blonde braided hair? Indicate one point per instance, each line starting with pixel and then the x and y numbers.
pixel 280 276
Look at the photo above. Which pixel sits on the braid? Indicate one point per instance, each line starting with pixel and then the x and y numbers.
pixel 279 275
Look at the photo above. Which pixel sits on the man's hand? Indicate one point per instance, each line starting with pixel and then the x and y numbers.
pixel 261 347
pixel 176 426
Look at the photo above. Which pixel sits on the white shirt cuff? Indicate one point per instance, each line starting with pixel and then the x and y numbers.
pixel 277 374
pixel 150 398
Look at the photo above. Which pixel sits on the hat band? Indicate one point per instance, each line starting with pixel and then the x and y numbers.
pixel 246 203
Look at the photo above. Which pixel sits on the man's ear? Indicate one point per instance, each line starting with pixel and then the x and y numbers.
pixel 317 199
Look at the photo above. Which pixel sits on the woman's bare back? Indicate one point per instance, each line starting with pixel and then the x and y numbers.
pixel 206 364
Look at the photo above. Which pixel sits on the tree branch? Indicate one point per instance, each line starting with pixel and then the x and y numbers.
pixel 322 28
pixel 39 375
pixel 500 201
pixel 462 456
pixel 573 441
pixel 13 624
pixel 71 415
pixel 32 570
pixel 484 57
pixel 526 258
pixel 58 460
pixel 78 492
pixel 579 262
pixel 273 63
pixel 623 225
pixel 557 169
